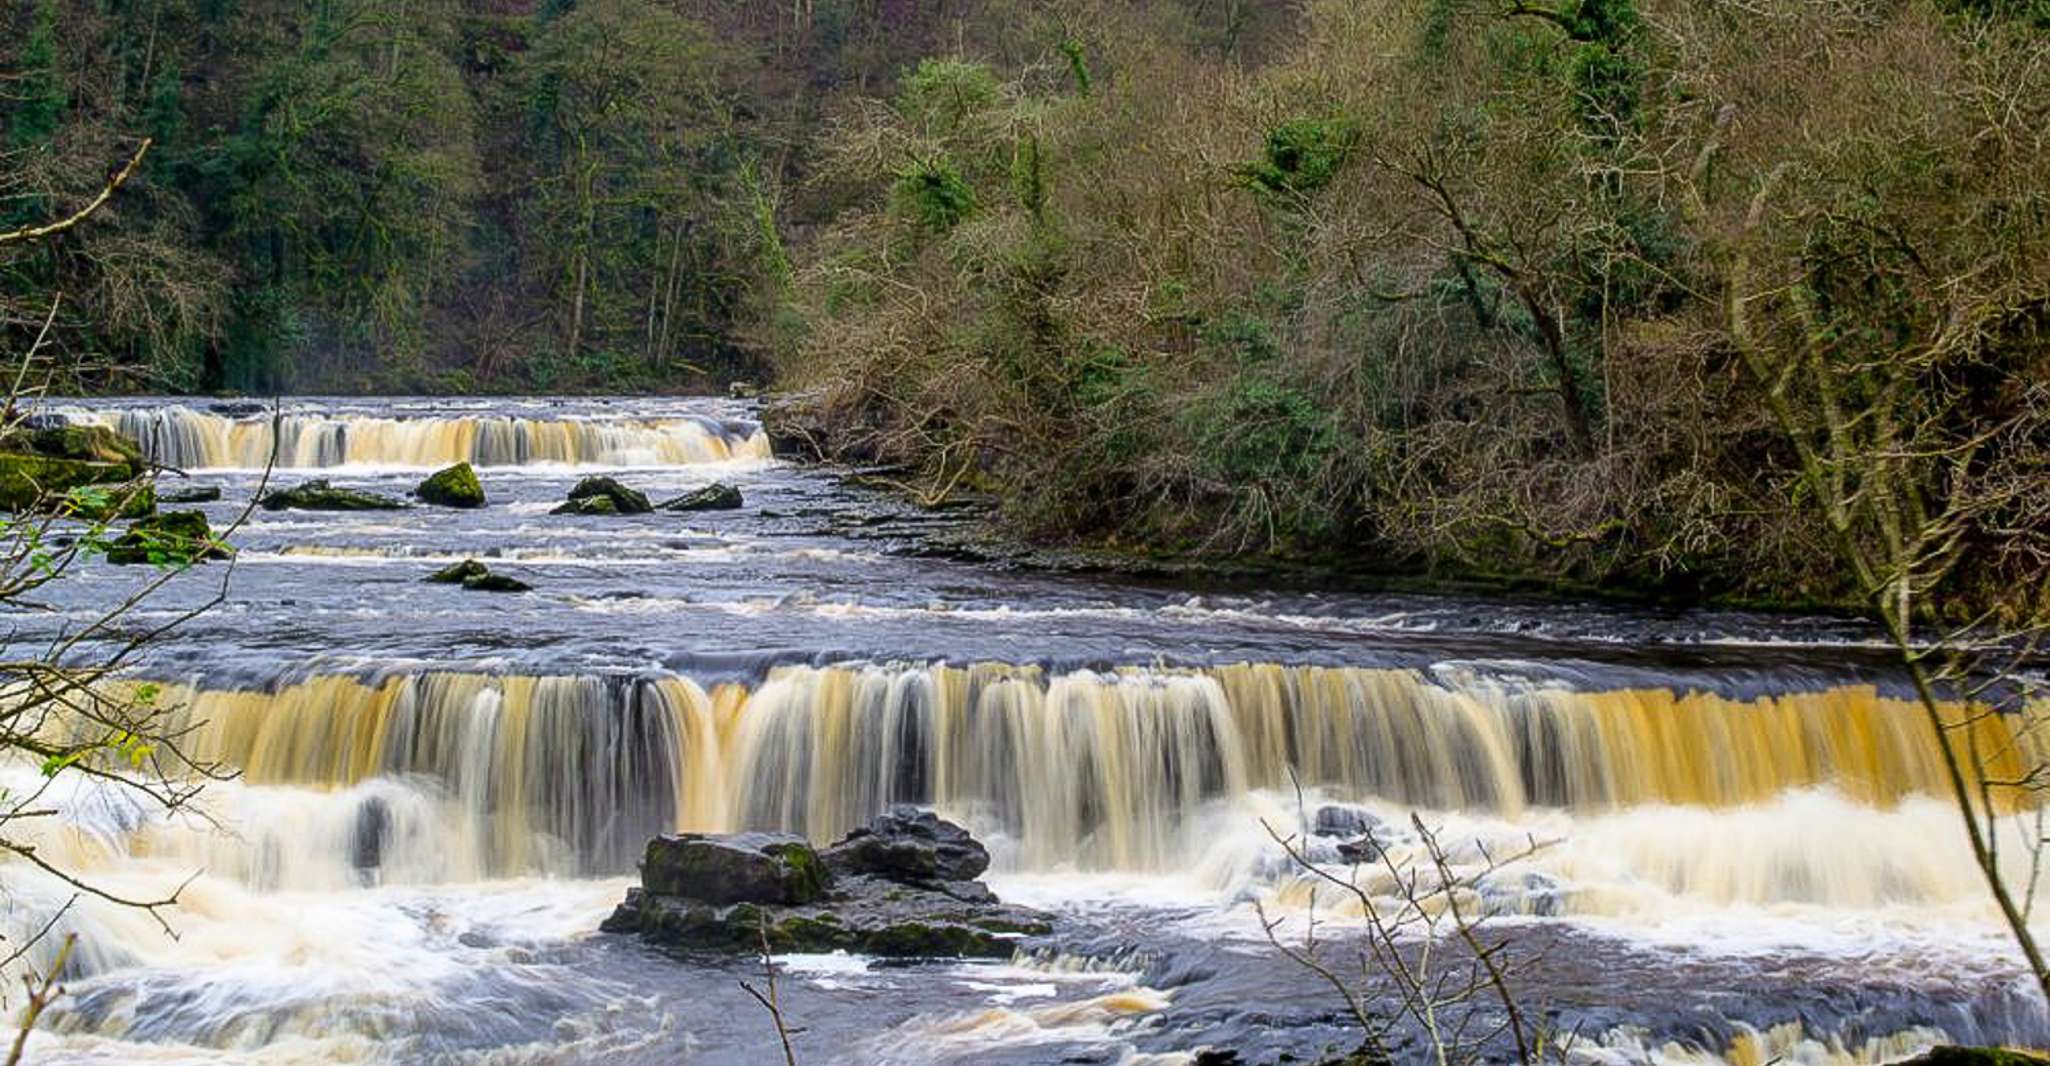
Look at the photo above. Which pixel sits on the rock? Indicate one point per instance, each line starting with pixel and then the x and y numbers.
pixel 618 498
pixel 173 538
pixel 1524 893
pixel 1343 820
pixel 456 486
pixel 1364 850
pixel 38 466
pixel 909 845
pixel 726 894
pixel 743 390
pixel 457 573
pixel 734 868
pixel 717 496
pixel 318 495
pixel 238 408
pixel 495 583
pixel 194 494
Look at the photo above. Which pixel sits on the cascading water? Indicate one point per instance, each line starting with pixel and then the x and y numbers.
pixel 436 794
pixel 181 438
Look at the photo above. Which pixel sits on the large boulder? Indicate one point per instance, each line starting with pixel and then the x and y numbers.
pixel 172 538
pixel 457 573
pixel 495 583
pixel 319 495
pixel 890 890
pixel 193 494
pixel 43 465
pixel 455 486
pixel 734 868
pixel 717 496
pixel 604 496
pixel 910 845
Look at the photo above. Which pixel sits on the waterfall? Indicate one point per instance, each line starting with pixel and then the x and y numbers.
pixel 179 437
pixel 1097 769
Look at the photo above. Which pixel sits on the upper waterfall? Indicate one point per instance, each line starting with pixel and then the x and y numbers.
pixel 179 436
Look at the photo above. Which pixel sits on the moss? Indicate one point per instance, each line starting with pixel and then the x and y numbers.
pixel 1977 1056
pixel 456 486
pixel 457 573
pixel 105 503
pixel 30 480
pixel 1302 156
pixel 174 538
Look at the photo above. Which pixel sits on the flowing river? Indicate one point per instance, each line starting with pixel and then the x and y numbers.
pixel 442 792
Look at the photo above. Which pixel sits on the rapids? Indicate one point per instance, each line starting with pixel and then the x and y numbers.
pixel 441 792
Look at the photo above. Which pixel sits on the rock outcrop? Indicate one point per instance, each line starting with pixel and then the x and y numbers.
pixel 41 465
pixel 604 496
pixel 717 496
pixel 476 577
pixel 455 486
pixel 192 494
pixel 903 886
pixel 319 495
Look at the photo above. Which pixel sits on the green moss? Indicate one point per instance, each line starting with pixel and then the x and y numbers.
pixel 29 480
pixel 174 538
pixel 457 573
pixel 456 486
pixel 1302 156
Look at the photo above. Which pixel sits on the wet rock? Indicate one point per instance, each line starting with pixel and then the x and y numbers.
pixel 734 868
pixel 1522 893
pixel 604 496
pixel 171 538
pixel 495 583
pixel 238 408
pixel 319 495
pixel 194 494
pixel 718 496
pixel 41 466
pixel 457 573
pixel 1364 850
pixel 728 893
pixel 743 390
pixel 910 845
pixel 455 486
pixel 1344 820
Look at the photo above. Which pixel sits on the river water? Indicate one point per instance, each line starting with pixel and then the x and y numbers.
pixel 441 793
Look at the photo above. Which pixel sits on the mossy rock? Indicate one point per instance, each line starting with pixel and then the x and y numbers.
pixel 457 573
pixel 173 538
pixel 456 486
pixel 319 495
pixel 618 499
pixel 192 494
pixel 30 481
pixel 84 443
pixel 718 496
pixel 106 503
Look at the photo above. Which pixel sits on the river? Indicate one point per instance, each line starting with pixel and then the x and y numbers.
pixel 1742 860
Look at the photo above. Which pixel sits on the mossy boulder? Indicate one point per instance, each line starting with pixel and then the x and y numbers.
pixel 457 573
pixel 718 496
pixel 319 495
pixel 734 868
pixel 40 467
pixel 172 538
pixel 616 499
pixel 456 486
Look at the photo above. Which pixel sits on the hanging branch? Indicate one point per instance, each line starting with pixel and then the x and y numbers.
pixel 30 233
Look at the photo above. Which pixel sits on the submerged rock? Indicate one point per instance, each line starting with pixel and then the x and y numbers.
pixel 717 496
pixel 495 583
pixel 455 486
pixel 604 496
pixel 319 495
pixel 194 494
pixel 172 538
pixel 1344 820
pixel 903 886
